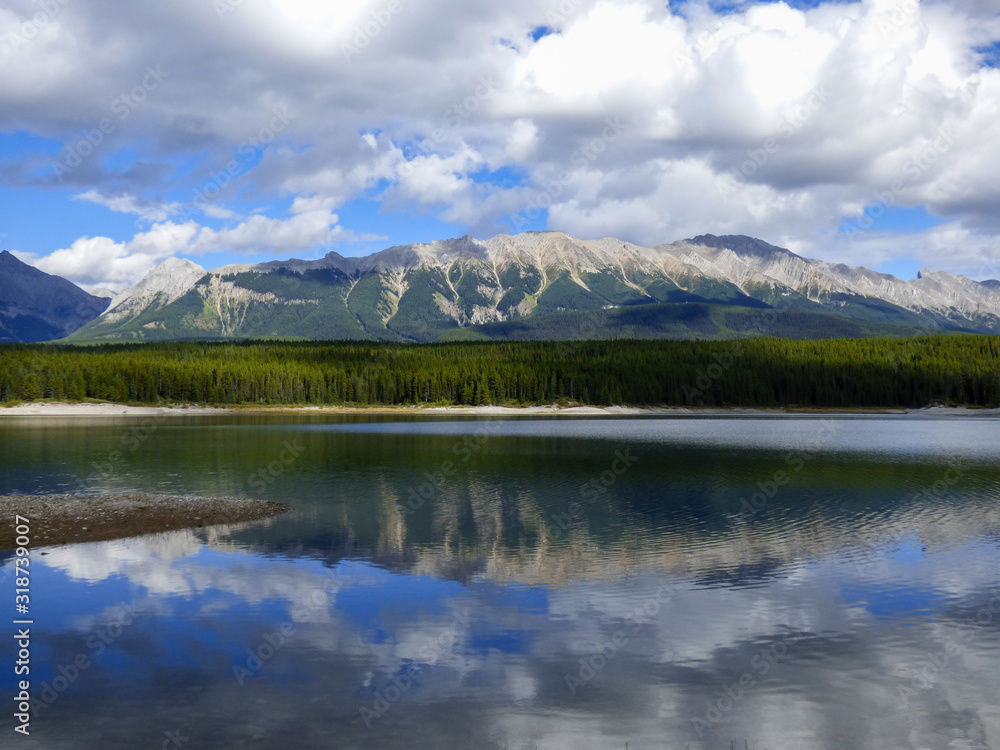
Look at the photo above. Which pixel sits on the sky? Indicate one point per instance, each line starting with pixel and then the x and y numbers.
pixel 241 131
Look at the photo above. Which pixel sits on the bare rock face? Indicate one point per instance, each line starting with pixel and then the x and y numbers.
pixel 36 306
pixel 169 281
pixel 934 291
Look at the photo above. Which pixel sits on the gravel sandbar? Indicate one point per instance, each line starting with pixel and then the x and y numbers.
pixel 64 519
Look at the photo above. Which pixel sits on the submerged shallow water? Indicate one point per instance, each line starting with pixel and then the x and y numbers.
pixel 785 582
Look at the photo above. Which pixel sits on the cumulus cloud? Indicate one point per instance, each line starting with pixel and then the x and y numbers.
pixel 766 119
pixel 95 262
pixel 260 234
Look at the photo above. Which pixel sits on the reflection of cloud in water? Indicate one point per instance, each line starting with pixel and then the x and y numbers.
pixel 175 564
pixel 493 658
pixel 862 617
pixel 145 560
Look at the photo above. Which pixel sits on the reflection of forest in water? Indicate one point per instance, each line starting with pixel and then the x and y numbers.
pixel 537 508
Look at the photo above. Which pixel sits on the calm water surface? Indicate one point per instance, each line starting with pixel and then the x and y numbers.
pixel 788 583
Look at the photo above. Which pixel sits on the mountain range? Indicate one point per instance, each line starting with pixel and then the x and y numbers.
pixel 36 306
pixel 544 285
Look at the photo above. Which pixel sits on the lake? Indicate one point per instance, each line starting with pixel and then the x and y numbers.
pixel 780 582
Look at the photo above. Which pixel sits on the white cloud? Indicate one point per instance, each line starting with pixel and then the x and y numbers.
pixel 94 262
pixel 259 234
pixel 969 252
pixel 522 140
pixel 701 93
pixel 129 204
pixel 217 212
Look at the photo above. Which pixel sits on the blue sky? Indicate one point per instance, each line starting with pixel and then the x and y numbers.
pixel 237 132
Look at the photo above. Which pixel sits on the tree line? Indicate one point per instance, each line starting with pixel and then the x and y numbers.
pixel 759 372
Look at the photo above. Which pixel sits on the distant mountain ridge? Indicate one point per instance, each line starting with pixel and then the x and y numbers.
pixel 545 285
pixel 36 306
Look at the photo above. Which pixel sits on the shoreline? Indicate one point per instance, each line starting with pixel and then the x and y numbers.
pixel 107 409
pixel 71 519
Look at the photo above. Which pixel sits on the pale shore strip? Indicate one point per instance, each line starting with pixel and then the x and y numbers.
pixel 65 519
pixel 93 409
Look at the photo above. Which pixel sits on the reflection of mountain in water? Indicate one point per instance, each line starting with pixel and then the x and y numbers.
pixel 682 516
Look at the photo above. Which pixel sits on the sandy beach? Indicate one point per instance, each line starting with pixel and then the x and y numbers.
pixel 91 409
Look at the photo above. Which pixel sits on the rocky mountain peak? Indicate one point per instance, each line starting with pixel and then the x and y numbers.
pixel 164 283
pixel 741 245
